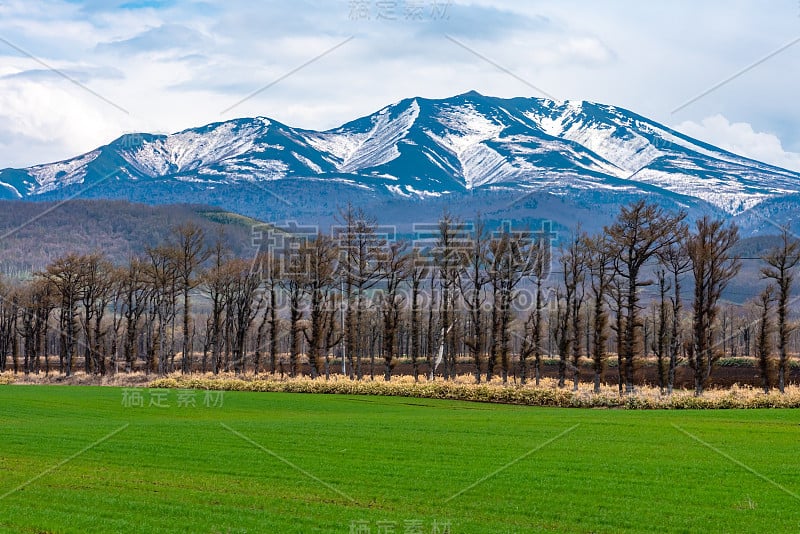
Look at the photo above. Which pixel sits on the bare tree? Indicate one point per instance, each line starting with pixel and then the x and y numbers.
pixel 639 233
pixel 511 262
pixel 359 245
pixel 269 272
pixel 117 305
pixel 243 305
pixel 746 331
pixel 540 271
pixel 431 339
pixel 162 275
pixel 472 287
pixel 190 253
pixel 26 306
pixel 450 258
pixel 8 318
pixel 320 261
pixel 417 272
pixel 135 295
pixel 781 263
pixel 541 256
pixel 65 276
pixel 294 281
pixel 713 267
pixel 675 258
pixel 764 344
pixel 394 265
pixel 95 280
pixel 578 277
pixel 661 335
pixel 34 304
pixel 617 302
pixel 214 282
pixel 567 308
pixel 599 267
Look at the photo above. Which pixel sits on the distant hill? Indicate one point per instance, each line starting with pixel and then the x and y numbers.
pixel 34 233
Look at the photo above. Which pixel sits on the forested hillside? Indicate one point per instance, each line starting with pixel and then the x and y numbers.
pixel 33 234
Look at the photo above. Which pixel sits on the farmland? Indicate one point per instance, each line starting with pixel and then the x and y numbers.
pixel 104 459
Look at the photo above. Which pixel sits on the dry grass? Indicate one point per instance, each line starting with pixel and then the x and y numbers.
pixel 77 379
pixel 462 388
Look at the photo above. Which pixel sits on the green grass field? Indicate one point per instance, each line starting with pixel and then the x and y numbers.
pixel 267 462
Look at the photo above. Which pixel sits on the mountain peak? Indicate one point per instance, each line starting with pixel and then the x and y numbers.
pixel 471 93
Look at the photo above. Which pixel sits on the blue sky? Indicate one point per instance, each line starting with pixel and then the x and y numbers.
pixel 77 74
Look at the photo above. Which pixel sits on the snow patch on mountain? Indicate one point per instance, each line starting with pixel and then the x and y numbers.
pixel 380 145
pixel 338 145
pixel 308 163
pixel 355 151
pixel 49 177
pixel 466 131
pixel 732 197
pixel 192 149
pixel 11 189
pixel 627 151
pixel 247 170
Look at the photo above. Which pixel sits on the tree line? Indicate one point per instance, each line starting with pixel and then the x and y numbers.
pixel 460 296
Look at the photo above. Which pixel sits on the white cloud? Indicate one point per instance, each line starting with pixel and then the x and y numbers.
pixel 177 64
pixel 44 121
pixel 740 138
pixel 583 50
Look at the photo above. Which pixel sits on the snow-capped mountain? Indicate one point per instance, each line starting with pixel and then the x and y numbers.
pixel 521 158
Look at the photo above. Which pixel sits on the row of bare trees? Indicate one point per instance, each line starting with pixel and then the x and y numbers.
pixel 97 309
pixel 461 296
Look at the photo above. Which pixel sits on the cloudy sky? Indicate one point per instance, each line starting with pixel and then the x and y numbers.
pixel 77 74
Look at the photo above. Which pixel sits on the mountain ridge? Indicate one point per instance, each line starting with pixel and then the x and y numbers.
pixel 417 150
